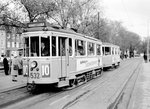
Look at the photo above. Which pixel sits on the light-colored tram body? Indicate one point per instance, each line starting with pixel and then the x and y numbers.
pixel 111 55
pixel 72 58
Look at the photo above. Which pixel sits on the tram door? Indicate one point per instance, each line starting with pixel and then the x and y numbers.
pixel 63 45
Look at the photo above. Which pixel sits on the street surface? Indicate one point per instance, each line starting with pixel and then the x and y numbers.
pixel 98 93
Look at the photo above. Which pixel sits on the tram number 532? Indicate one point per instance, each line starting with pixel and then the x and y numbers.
pixel 46 70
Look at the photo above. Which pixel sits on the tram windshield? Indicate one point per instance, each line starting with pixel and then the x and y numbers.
pixel 37 47
pixel 26 46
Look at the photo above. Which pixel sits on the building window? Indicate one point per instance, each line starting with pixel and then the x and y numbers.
pixel 17 44
pixel 8 36
pixel 8 44
pixel 13 44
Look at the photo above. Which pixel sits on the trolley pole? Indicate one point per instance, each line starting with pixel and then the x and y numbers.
pixel 148 41
pixel 98 26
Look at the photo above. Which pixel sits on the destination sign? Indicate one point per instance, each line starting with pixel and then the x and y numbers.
pixel 36 24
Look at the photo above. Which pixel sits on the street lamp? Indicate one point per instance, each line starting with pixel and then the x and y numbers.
pixel 148 41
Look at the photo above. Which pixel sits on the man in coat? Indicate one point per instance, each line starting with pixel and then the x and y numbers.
pixel 6 66
pixel 44 50
pixel 14 68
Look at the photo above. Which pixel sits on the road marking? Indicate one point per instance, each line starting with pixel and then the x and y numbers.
pixel 86 86
pixel 59 100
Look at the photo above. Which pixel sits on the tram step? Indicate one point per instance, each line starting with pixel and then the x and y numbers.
pixel 63 83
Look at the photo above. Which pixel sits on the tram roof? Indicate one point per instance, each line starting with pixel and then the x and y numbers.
pixel 49 27
pixel 109 44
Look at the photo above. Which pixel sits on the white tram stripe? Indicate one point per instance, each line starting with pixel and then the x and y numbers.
pixel 59 100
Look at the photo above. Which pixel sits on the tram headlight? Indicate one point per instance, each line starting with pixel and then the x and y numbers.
pixel 33 64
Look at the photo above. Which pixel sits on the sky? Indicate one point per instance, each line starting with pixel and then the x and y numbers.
pixel 134 14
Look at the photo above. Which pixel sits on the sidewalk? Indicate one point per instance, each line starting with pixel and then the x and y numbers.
pixel 6 83
pixel 141 95
pixel 1 67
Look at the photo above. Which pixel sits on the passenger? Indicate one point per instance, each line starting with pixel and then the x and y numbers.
pixel 6 66
pixel 14 68
pixel 44 51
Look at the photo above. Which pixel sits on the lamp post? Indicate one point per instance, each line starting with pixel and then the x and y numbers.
pixel 148 41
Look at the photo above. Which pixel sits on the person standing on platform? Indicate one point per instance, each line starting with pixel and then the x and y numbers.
pixel 6 66
pixel 14 68
pixel 145 57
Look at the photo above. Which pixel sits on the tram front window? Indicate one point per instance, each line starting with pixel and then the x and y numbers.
pixel 45 46
pixel 26 46
pixel 34 46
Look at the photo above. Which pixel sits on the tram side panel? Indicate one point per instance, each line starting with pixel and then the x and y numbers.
pixel 107 56
pixel 117 56
pixel 107 60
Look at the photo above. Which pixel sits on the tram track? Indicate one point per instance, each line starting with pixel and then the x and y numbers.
pixel 133 76
pixel 96 86
pixel 12 96
pixel 45 96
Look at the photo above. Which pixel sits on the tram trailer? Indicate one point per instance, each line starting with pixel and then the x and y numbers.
pixel 111 55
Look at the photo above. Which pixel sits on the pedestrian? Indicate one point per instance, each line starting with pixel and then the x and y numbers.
pixel 14 68
pixel 145 57
pixel 6 66
pixel 20 61
pixel 10 62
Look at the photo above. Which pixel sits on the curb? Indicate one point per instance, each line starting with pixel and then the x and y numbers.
pixel 12 88
pixel 1 68
pixel 118 92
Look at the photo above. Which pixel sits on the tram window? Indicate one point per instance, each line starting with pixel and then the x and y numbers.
pixel 45 46
pixel 34 46
pixel 103 50
pixel 112 51
pixel 79 47
pixel 91 48
pixel 62 46
pixel 53 46
pixel 70 47
pixel 118 51
pixel 115 50
pixel 98 50
pixel 26 46
pixel 107 51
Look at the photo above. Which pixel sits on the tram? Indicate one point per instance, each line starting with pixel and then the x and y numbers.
pixel 60 57
pixel 111 55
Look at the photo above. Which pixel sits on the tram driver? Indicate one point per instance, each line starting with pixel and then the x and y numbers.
pixel 44 50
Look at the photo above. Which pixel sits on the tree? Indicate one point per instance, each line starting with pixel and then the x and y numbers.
pixel 37 8
pixel 9 17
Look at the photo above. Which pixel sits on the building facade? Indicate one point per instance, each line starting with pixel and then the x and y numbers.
pixel 10 41
pixel 2 42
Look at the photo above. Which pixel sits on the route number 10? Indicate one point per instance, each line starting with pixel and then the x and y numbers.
pixel 45 71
